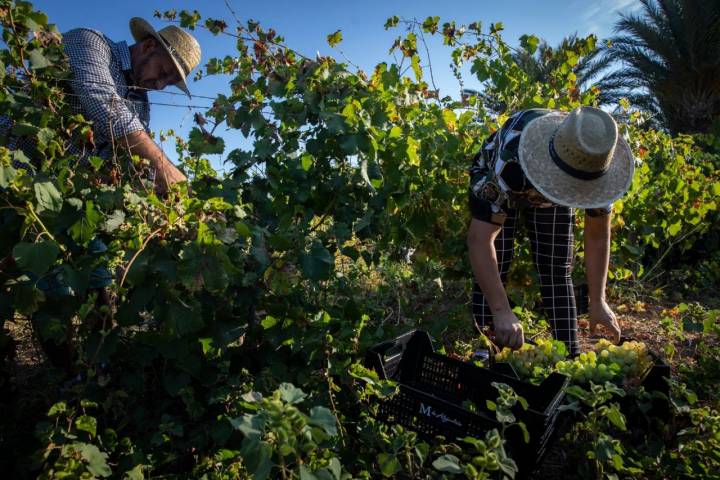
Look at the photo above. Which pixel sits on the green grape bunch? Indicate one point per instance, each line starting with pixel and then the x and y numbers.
pixel 534 361
pixel 608 362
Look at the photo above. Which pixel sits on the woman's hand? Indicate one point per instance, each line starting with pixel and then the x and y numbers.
pixel 508 331
pixel 600 313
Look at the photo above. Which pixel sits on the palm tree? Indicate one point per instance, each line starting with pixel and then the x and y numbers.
pixel 668 63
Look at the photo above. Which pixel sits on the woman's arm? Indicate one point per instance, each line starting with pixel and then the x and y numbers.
pixel 597 257
pixel 483 260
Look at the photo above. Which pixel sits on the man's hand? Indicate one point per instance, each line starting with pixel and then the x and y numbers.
pixel 600 313
pixel 166 175
pixel 508 331
pixel 139 143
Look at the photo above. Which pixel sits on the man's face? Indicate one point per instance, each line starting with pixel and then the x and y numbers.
pixel 154 69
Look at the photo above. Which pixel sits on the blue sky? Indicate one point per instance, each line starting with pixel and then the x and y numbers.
pixel 305 25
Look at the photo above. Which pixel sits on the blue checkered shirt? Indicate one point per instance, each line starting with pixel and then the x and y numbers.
pixel 100 90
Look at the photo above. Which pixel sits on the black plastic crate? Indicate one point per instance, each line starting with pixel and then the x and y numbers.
pixel 433 388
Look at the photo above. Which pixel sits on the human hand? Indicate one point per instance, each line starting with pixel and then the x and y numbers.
pixel 508 331
pixel 600 313
pixel 165 176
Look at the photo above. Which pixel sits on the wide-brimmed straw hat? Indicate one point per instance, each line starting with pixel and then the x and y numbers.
pixel 180 45
pixel 577 159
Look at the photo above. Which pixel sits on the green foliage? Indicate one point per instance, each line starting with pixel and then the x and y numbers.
pixel 240 307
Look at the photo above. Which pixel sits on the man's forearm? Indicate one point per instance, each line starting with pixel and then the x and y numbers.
pixel 597 256
pixel 139 143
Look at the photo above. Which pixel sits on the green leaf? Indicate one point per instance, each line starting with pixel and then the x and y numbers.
pixel 616 417
pixel 86 423
pixel 389 464
pixel 317 264
pixel 36 257
pixel 496 27
pixel 96 460
pixel 7 175
pixel 189 20
pixel 509 467
pixel 335 468
pixel 430 25
pixel 257 457
pixel 448 464
pixel 529 43
pixel 391 22
pixel 84 229
pixel 289 393
pixel 47 195
pixel 306 474
pixel 37 59
pixel 136 473
pixel 113 221
pixel 306 161
pixel 711 321
pixel 57 409
pixel 268 322
pixel 412 148
pixel 96 162
pixel 421 450
pixel 252 426
pixel 526 434
pixel 334 38
pixel 322 417
pixel 203 143
pixel 675 228
pixel 449 118
pixel 417 69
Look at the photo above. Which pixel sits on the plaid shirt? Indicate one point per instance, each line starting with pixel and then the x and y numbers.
pixel 100 90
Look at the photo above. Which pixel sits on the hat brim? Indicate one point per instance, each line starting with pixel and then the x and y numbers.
pixel 558 186
pixel 140 30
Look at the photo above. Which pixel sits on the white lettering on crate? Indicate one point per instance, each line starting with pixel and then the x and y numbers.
pixel 429 412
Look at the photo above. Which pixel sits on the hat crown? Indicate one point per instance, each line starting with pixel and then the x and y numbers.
pixel 586 139
pixel 182 46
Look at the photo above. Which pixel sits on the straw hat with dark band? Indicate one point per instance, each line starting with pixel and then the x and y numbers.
pixel 180 45
pixel 577 159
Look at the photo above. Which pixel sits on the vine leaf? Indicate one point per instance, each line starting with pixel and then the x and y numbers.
pixel 96 460
pixel 36 257
pixel 83 230
pixel 318 263
pixel 448 463
pixel 47 195
pixel 291 394
pixel 322 417
pixel 334 38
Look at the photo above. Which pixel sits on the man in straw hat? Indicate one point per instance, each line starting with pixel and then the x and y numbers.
pixel 110 84
pixel 540 166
